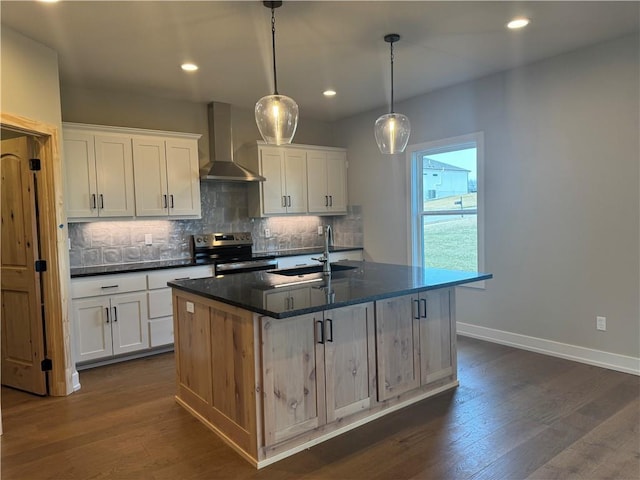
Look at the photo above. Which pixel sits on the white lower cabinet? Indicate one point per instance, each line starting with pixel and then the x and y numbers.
pixel 115 315
pixel 110 325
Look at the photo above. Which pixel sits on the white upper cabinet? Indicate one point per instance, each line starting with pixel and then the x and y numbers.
pixel 327 181
pixel 300 179
pixel 99 175
pixel 126 172
pixel 285 189
pixel 166 177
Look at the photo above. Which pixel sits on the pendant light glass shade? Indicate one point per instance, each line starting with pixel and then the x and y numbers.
pixel 392 130
pixel 392 133
pixel 277 119
pixel 276 115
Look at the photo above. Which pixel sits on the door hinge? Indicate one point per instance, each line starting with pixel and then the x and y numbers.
pixel 46 365
pixel 34 164
pixel 41 265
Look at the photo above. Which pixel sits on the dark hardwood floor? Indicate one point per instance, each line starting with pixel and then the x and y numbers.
pixel 516 415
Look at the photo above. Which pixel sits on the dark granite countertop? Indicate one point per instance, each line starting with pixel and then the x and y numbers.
pixel 367 281
pixel 186 262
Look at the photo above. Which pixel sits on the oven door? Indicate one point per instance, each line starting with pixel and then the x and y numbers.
pixel 241 266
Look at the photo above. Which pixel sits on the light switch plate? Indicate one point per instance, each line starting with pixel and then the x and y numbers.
pixel 319 229
pixel 148 239
pixel 190 307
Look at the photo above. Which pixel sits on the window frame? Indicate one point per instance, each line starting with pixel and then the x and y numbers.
pixel 414 154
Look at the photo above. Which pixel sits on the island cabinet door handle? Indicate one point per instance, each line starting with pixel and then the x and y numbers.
pixel 423 303
pixel 321 335
pixel 416 309
pixel 107 309
pixel 329 337
pixel 115 314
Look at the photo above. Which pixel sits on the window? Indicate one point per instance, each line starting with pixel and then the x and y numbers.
pixel 447 203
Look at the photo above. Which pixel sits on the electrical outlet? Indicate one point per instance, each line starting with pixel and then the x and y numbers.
pixel 190 307
pixel 319 229
pixel 601 323
pixel 148 239
pixel 267 232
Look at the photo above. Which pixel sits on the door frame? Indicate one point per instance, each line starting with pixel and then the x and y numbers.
pixel 53 248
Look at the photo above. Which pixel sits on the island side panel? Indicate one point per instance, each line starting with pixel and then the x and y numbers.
pixel 437 338
pixel 215 351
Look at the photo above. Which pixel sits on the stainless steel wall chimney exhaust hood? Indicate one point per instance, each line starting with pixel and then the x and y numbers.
pixel 222 168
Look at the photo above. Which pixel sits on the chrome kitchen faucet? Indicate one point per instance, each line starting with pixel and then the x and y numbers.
pixel 324 259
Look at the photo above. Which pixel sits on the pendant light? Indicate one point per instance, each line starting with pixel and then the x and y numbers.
pixel 276 115
pixel 392 130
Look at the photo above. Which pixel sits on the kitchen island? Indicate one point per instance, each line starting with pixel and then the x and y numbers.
pixel 275 362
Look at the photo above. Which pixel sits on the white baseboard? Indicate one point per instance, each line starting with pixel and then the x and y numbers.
pixel 599 358
pixel 75 380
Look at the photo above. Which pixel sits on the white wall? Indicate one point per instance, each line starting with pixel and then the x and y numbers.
pixel 29 83
pixel 562 201
pixel 120 108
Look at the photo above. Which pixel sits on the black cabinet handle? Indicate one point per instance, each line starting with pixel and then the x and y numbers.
pixel 164 201
pixel 321 323
pixel 93 201
pixel 101 201
pixel 423 302
pixel 331 200
pixel 110 286
pixel 326 200
pixel 284 201
pixel 115 314
pixel 416 309
pixel 171 196
pixel 289 200
pixel 330 336
pixel 107 309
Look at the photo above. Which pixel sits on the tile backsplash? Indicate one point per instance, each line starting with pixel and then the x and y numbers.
pixel 224 208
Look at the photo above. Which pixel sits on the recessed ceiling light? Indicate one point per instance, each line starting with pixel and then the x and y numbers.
pixel 329 93
pixel 518 23
pixel 189 67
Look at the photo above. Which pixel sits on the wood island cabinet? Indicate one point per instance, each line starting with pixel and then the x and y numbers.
pixel 271 387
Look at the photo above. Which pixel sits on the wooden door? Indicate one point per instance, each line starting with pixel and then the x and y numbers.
pixel 150 168
pixel 317 182
pixel 92 320
pixel 129 328
pixel 182 177
pixel 271 168
pixel 295 168
pixel 436 359
pixel 349 386
pixel 22 322
pixel 397 335
pixel 114 173
pixel 81 194
pixel 293 377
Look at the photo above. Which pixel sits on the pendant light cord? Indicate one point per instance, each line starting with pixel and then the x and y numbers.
pixel 273 45
pixel 391 43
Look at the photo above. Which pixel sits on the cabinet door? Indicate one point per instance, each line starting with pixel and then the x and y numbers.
pixel 436 356
pixel 92 322
pixel 348 348
pixel 397 335
pixel 182 177
pixel 81 194
pixel 337 181
pixel 150 164
pixel 295 168
pixel 272 189
pixel 114 172
pixel 129 322
pixel 293 377
pixel 317 189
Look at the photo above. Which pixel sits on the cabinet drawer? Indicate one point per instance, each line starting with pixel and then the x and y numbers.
pixel 160 278
pixel 107 285
pixel 160 304
pixel 160 332
pixel 355 255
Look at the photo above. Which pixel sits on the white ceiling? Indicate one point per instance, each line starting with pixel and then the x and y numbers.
pixel 138 45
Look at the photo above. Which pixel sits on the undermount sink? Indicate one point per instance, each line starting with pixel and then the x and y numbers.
pixel 292 272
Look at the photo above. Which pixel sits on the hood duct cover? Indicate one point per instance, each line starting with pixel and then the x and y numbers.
pixel 222 168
